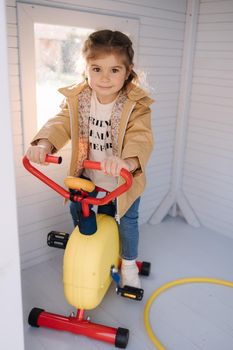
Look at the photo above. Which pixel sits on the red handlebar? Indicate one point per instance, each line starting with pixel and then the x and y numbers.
pixel 66 194
pixel 127 176
pixel 49 159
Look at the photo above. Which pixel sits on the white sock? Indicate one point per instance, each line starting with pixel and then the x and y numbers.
pixel 129 273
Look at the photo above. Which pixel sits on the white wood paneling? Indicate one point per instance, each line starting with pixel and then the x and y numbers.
pixel 160 47
pixel 11 333
pixel 222 6
pixel 208 164
pixel 175 197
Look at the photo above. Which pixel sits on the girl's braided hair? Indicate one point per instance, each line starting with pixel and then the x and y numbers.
pixel 107 42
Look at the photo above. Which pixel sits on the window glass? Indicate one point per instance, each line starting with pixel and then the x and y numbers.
pixel 58 63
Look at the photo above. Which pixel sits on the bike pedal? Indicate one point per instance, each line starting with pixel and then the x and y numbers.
pixel 130 292
pixel 57 239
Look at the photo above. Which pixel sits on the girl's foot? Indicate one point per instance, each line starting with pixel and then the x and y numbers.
pixel 129 274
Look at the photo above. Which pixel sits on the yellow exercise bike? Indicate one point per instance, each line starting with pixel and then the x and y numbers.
pixel 91 258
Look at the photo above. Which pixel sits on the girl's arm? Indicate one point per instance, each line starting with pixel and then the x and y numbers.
pixel 137 145
pixel 56 130
pixel 138 140
pixel 51 137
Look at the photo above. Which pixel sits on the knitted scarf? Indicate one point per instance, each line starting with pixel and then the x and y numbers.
pixel 84 107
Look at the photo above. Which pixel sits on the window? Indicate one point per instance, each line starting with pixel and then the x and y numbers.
pixel 50 40
pixel 57 63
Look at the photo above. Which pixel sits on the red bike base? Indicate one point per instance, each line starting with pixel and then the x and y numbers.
pixel 78 325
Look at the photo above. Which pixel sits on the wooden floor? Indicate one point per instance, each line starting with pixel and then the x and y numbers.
pixel 189 317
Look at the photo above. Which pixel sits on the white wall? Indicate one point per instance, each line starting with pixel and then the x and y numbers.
pixel 208 168
pixel 10 284
pixel 160 50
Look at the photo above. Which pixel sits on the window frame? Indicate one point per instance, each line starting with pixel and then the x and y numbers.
pixel 29 14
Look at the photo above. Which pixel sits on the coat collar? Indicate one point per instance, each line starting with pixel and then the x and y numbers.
pixel 72 90
pixel 134 92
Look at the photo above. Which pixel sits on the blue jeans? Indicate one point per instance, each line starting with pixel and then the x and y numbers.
pixel 129 232
pixel 128 228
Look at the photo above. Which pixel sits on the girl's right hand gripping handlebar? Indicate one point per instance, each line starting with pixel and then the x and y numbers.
pixel 125 174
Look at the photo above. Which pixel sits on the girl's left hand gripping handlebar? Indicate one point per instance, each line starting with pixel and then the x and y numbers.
pixel 125 174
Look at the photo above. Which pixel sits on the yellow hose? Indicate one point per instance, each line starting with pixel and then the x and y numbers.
pixel 162 289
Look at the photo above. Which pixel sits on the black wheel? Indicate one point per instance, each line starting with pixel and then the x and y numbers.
pixel 122 337
pixel 33 316
pixel 145 270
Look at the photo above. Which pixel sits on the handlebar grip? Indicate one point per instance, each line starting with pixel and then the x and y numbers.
pixel 53 159
pixel 90 164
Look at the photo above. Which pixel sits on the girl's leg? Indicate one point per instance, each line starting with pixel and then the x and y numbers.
pixel 129 234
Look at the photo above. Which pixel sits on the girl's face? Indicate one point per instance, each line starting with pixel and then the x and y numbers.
pixel 106 76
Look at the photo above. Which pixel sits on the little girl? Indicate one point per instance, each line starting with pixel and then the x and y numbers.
pixel 108 119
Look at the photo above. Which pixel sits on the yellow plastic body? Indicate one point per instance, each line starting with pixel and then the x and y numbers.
pixel 88 261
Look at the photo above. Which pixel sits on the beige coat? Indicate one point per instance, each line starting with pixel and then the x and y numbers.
pixel 134 139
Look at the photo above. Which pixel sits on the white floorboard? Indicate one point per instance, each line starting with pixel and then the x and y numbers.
pixel 189 317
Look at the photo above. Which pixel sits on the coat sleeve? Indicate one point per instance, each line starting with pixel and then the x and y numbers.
pixel 56 130
pixel 138 139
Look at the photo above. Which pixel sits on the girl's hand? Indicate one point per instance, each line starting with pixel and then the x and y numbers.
pixel 113 165
pixel 37 153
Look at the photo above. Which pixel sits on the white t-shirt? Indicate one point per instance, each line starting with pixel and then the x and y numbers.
pixel 100 142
